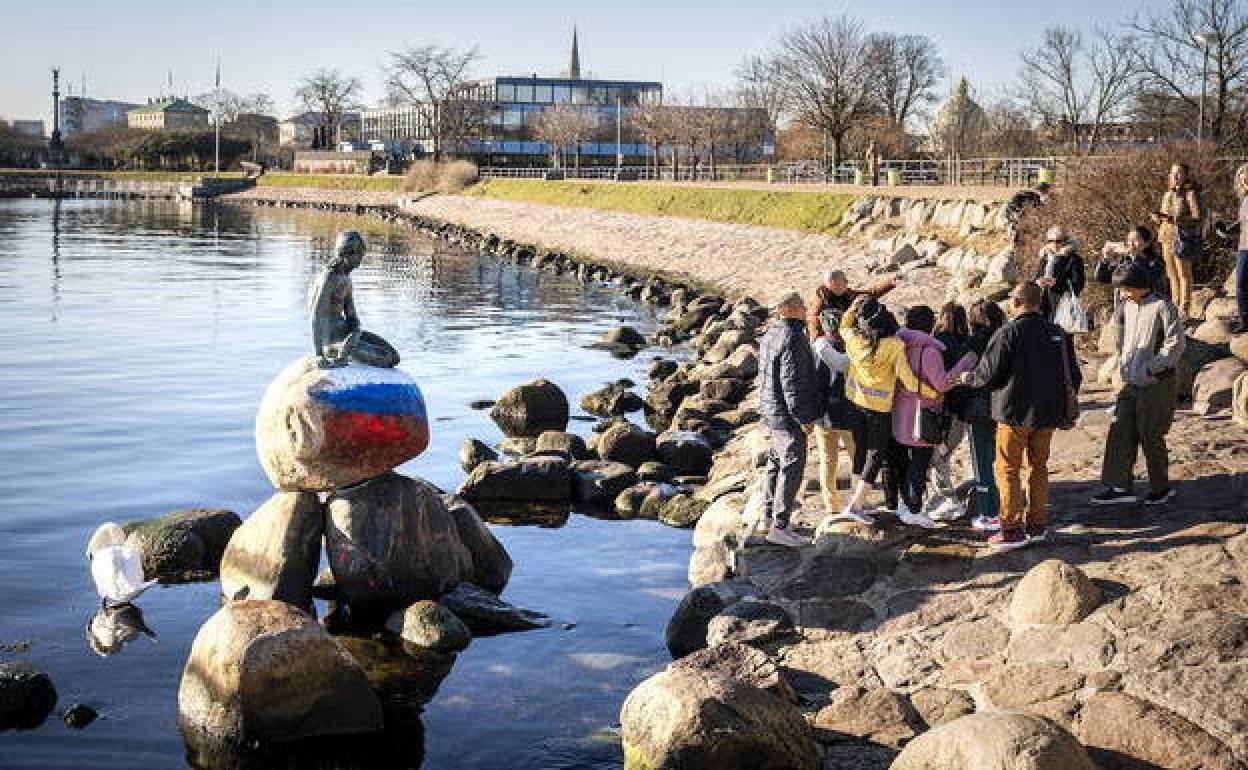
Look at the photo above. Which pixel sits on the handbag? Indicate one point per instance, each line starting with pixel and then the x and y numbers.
pixel 1104 272
pixel 1188 245
pixel 1070 314
pixel 1070 411
pixel 931 426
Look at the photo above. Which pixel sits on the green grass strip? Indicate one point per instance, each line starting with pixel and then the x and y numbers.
pixel 333 182
pixel 811 212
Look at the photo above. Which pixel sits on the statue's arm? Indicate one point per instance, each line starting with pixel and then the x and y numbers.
pixel 348 309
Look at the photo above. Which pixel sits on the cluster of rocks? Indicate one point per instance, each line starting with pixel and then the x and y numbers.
pixel 406 561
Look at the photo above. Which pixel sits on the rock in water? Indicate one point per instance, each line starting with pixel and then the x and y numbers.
pixel 491 564
pixel 431 626
pixel 537 479
pixel 687 453
pixel 473 452
pixel 183 545
pixel 626 443
pixel 275 554
pixel 264 671
pixel 26 696
pixel 687 628
pixel 598 482
pixel 485 613
pixel 391 541
pixel 995 741
pixel 528 410
pixel 689 719
pixel 320 429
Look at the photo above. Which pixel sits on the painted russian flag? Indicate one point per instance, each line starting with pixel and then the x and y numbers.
pixel 372 413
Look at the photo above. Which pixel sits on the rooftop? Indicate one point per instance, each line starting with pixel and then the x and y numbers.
pixel 172 104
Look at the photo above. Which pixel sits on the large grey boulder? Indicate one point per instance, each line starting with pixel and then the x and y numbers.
pixel 474 452
pixel 182 545
pixel 1053 593
pixel 688 719
pixel 686 452
pixel 27 696
pixel 536 479
pixel 688 626
pixel 751 622
pixel 392 541
pixel 491 564
pixel 995 741
pixel 275 553
pixel 262 670
pixel 612 400
pixel 599 482
pixel 431 626
pixel 527 410
pixel 626 443
pixel 563 444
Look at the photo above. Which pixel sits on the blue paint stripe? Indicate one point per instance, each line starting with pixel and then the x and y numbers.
pixel 376 398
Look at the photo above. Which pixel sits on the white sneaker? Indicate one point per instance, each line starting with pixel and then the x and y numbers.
pixel 854 514
pixel 786 537
pixel 914 519
pixel 986 524
pixel 949 510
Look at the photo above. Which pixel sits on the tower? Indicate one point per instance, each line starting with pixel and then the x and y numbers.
pixel 56 148
pixel 574 68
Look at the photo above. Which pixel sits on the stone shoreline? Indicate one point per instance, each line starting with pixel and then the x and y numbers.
pixel 880 635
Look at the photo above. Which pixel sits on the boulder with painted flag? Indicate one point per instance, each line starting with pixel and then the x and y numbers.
pixel 324 429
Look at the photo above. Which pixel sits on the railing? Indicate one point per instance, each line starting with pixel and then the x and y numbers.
pixel 1003 172
pixel 69 187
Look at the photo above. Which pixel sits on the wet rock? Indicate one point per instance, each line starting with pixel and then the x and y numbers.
pixel 686 453
pixel 27 696
pixel 681 511
pixel 1053 593
pixel 995 741
pixel 731 391
pixel 599 482
pixel 275 553
pixel 623 336
pixel 568 445
pixel 491 564
pixel 262 670
pixel 626 443
pixel 750 622
pixel 878 715
pixel 743 663
pixel 645 499
pixel 430 625
pixel 1122 731
pixel 528 410
pixel 183 545
pixel 79 716
pixel 687 628
pixel 484 613
pixel 318 429
pixel 741 365
pixel 1214 384
pixel 536 479
pixel 612 400
pixel 696 720
pixel 392 541
pixel 518 446
pixel 473 452
pixel 655 471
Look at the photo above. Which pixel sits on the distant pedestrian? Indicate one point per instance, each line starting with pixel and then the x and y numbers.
pixel 1180 221
pixel 1150 343
pixel 1060 272
pixel 954 332
pixel 789 403
pixel 1240 229
pixel 1029 366
pixel 877 363
pixel 836 294
pixel 910 452
pixel 835 430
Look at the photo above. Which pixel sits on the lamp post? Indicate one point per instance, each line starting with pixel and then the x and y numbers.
pixel 1205 40
pixel 619 133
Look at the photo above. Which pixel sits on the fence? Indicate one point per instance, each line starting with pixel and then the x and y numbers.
pixel 65 187
pixel 1004 172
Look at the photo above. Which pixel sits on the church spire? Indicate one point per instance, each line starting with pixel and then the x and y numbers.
pixel 574 69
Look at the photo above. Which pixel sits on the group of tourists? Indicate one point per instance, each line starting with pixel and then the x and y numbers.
pixel 899 397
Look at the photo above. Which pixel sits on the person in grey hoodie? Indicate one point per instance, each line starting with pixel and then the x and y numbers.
pixel 789 402
pixel 1150 343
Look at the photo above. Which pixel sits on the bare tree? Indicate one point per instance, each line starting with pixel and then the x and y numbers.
pixel 330 94
pixel 759 86
pixel 432 79
pixel 1173 54
pixel 655 124
pixel 825 68
pixel 905 70
pixel 229 105
pixel 1077 86
pixel 564 126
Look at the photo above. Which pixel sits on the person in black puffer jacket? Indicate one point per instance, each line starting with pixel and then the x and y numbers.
pixel 789 396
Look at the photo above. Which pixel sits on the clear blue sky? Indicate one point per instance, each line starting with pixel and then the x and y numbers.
pixel 127 48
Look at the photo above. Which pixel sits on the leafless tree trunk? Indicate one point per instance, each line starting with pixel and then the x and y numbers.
pixel 905 70
pixel 330 93
pixel 564 126
pixel 430 79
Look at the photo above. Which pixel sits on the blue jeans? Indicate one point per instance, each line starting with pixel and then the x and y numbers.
pixel 983 450
pixel 1241 285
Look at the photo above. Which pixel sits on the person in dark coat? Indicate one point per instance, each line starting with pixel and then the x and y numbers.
pixel 835 294
pixel 1138 249
pixel 1029 366
pixel 1060 271
pixel 790 400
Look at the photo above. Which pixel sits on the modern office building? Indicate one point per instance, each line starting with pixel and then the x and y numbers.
pixel 169 114
pixel 80 114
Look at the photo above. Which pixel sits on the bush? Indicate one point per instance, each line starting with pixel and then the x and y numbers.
pixel 428 176
pixel 1099 198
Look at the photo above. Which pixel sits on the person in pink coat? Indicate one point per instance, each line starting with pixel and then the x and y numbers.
pixel 910 457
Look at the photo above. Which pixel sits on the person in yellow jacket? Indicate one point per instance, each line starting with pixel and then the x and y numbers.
pixel 877 362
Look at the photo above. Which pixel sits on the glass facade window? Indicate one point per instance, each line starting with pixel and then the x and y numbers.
pixel 543 94
pixel 562 94
pixel 580 95
pixel 506 92
pixel 524 92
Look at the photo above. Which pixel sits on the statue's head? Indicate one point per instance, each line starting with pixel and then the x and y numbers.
pixel 348 250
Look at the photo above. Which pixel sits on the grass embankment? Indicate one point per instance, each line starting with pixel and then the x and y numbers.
pixel 812 212
pixel 333 182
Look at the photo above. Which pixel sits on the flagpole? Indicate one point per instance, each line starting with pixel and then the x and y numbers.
pixel 216 108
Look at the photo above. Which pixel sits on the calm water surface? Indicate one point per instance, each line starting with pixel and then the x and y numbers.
pixel 137 342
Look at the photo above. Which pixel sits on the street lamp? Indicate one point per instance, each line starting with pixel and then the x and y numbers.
pixel 1205 39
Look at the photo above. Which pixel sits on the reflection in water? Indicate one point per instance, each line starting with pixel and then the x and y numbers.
pixel 112 628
